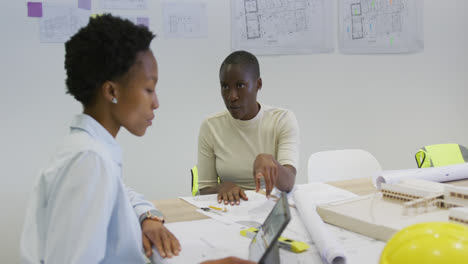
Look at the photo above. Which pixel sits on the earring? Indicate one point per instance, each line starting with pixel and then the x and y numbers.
pixel 114 100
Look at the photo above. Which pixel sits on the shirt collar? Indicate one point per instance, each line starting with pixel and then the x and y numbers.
pixel 97 131
pixel 251 122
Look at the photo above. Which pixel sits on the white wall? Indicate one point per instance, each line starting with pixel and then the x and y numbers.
pixel 390 105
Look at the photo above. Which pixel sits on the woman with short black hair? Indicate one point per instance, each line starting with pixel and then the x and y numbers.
pixel 81 211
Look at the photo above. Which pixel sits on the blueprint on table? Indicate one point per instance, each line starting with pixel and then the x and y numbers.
pixel 252 213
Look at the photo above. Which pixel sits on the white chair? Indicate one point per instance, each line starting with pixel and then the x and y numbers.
pixel 335 165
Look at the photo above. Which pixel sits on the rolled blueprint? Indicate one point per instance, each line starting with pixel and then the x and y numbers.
pixel 436 174
pixel 330 250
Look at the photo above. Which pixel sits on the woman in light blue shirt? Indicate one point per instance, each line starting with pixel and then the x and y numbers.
pixel 81 211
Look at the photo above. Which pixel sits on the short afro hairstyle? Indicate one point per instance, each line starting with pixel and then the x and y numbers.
pixel 245 59
pixel 104 50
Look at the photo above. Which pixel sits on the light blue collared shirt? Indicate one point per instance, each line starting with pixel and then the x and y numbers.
pixel 80 210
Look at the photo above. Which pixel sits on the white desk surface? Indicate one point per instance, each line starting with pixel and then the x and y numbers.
pixel 177 210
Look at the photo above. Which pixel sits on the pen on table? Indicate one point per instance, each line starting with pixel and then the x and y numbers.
pixel 218 208
pixel 206 209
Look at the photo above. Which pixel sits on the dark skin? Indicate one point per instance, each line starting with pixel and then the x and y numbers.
pixel 239 88
pixel 136 101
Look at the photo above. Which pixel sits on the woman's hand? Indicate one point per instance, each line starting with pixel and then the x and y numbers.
pixel 266 167
pixel 155 233
pixel 230 193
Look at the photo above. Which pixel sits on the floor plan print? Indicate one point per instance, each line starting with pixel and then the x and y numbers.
pixel 281 26
pixel 380 26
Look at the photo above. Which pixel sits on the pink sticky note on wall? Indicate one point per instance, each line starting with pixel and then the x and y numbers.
pixel 34 9
pixel 143 21
pixel 84 4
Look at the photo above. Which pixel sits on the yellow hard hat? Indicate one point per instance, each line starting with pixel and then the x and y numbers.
pixel 433 242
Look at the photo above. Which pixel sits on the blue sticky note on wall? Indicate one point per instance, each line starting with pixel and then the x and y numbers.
pixel 84 4
pixel 34 9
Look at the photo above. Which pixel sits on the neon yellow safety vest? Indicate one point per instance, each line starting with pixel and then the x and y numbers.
pixel 441 155
pixel 194 189
pixel 194 181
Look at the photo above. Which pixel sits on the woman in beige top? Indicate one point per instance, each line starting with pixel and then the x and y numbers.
pixel 249 145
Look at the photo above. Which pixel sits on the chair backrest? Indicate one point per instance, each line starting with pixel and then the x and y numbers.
pixel 335 165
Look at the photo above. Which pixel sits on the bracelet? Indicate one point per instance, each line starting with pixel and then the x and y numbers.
pixel 153 215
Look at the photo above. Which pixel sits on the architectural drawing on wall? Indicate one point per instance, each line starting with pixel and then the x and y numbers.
pixel 140 20
pixel 60 22
pixel 184 19
pixel 381 26
pixel 282 26
pixel 124 4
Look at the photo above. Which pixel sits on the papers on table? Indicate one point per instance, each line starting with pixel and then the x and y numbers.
pixel 252 213
pixel 436 174
pixel 249 213
pixel 321 193
pixel 330 250
pixel 358 249
pixel 211 199
pixel 204 240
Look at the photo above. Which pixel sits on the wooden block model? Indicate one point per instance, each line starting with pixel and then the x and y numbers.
pixel 459 215
pixel 410 190
pixel 396 206
pixel 456 195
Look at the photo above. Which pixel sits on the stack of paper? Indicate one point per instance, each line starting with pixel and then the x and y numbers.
pixel 436 174
pixel 330 250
